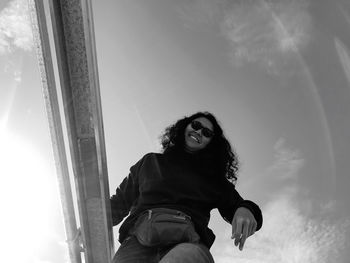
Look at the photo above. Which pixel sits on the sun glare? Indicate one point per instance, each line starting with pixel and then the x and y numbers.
pixel 25 199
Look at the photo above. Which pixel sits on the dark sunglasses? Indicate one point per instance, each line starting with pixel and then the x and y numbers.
pixel 196 125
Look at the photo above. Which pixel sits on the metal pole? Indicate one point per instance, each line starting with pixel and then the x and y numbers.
pixel 42 44
pixel 77 66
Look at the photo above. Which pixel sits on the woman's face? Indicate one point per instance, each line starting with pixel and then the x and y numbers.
pixel 198 134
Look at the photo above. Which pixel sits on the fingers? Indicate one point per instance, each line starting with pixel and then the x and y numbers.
pixel 241 230
pixel 252 228
pixel 237 225
pixel 234 227
pixel 243 226
pixel 244 236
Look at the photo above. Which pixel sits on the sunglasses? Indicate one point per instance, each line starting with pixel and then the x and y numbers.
pixel 196 125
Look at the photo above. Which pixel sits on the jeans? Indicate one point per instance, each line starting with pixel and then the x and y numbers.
pixel 131 251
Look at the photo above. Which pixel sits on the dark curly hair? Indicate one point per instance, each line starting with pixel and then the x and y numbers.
pixel 221 153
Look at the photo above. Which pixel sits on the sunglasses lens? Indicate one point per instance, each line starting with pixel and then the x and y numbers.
pixel 207 133
pixel 196 125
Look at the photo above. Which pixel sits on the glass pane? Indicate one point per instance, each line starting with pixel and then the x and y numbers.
pixel 277 76
pixel 31 223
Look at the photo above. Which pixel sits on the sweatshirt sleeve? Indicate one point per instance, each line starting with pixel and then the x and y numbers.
pixel 231 201
pixel 126 195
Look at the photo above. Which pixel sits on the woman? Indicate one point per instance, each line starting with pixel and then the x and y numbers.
pixel 194 174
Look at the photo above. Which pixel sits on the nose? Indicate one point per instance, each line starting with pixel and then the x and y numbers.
pixel 199 132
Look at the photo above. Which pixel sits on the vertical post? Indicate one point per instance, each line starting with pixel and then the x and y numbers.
pixel 42 44
pixel 72 24
pixel 77 66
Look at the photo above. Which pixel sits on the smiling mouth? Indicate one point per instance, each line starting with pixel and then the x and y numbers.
pixel 195 138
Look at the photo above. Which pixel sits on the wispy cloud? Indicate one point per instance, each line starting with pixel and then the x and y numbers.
pixel 284 171
pixel 15 28
pixel 267 32
pixel 287 162
pixel 15 35
pixel 344 57
pixel 202 14
pixel 288 236
pixel 343 10
pixel 288 233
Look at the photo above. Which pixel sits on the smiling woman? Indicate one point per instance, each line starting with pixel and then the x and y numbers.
pixel 26 196
pixel 275 72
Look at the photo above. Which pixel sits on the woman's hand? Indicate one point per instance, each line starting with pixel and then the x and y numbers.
pixel 243 226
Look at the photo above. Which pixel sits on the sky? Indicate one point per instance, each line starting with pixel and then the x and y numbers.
pixel 276 74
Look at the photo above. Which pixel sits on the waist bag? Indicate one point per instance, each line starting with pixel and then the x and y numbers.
pixel 163 227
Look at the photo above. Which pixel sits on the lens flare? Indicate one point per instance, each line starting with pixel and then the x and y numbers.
pixel 25 199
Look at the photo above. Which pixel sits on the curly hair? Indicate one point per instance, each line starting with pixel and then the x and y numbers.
pixel 222 155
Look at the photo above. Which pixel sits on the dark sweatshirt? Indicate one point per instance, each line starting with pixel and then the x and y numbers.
pixel 172 181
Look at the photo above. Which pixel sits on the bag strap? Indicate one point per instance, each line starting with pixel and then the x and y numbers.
pixel 167 211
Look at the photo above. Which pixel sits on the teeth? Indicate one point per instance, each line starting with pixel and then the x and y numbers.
pixel 195 138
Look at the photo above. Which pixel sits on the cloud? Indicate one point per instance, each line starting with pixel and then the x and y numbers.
pixel 202 14
pixel 344 57
pixel 287 163
pixel 283 172
pixel 342 8
pixel 15 28
pixel 288 236
pixel 266 32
